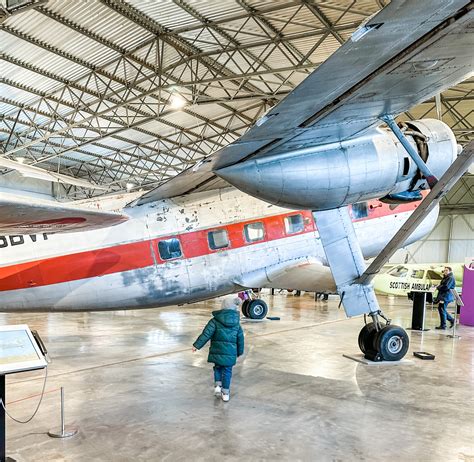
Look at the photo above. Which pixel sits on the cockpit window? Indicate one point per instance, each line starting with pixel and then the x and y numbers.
pixel 399 272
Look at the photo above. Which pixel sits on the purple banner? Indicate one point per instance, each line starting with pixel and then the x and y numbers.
pixel 467 311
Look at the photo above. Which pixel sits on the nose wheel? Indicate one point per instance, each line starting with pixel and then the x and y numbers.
pixel 383 343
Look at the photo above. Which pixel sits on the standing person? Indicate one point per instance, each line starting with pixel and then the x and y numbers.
pixel 227 343
pixel 445 297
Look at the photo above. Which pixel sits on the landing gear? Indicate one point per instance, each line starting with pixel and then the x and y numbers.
pixel 383 342
pixel 366 337
pixel 321 296
pixel 244 308
pixel 254 309
pixel 392 343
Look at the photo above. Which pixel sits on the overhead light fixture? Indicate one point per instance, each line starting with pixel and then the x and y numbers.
pixel 177 102
pixel 129 186
pixel 21 160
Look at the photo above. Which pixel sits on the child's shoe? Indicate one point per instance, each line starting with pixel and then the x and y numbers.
pixel 217 390
pixel 225 397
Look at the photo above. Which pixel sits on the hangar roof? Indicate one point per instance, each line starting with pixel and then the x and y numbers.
pixel 132 92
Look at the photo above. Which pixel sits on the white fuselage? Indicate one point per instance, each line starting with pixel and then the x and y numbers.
pixel 121 266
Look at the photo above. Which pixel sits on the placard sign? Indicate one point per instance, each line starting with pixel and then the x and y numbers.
pixel 18 350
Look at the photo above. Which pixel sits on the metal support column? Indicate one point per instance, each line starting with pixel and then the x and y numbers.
pixel 347 263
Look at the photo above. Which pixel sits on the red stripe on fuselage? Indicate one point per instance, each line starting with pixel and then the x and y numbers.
pixel 126 257
pixel 76 266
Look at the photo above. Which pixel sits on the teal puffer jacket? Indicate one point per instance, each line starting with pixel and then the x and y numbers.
pixel 226 336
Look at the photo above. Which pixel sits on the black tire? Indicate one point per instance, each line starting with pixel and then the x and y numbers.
pixel 392 343
pixel 257 309
pixel 366 337
pixel 245 308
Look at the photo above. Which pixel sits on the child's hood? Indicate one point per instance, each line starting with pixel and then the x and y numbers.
pixel 228 318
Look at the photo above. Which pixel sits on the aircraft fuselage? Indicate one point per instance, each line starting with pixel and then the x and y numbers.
pixel 178 251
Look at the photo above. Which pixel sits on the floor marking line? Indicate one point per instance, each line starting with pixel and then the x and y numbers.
pixel 182 350
pixel 31 396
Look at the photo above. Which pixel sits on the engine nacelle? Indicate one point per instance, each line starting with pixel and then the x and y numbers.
pixel 334 175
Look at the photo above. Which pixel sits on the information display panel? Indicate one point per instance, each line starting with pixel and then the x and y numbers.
pixel 19 350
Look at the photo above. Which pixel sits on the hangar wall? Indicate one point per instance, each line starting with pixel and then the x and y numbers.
pixel 451 240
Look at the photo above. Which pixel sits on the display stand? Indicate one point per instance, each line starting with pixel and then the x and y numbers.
pixel 20 351
pixel 419 309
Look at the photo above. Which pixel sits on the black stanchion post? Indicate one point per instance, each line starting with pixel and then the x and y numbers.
pixel 3 430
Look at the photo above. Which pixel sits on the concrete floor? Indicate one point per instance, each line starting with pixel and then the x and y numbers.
pixel 137 392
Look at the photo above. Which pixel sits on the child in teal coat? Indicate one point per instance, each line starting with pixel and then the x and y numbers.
pixel 227 343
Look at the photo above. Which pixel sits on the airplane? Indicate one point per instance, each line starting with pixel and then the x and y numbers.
pixel 402 279
pixel 323 180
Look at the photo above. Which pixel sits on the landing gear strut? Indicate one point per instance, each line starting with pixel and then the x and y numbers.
pixel 383 342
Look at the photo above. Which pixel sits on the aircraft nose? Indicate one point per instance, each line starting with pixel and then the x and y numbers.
pixel 249 178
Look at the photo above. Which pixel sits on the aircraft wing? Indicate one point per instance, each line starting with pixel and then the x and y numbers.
pixel 30 171
pixel 21 215
pixel 408 52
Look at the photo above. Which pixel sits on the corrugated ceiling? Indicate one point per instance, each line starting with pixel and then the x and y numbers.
pixel 89 88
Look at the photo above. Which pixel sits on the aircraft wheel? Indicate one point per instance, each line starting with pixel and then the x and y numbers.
pixel 392 343
pixel 257 309
pixel 245 308
pixel 366 337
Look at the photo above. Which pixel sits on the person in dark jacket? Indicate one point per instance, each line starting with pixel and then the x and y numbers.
pixel 445 297
pixel 227 343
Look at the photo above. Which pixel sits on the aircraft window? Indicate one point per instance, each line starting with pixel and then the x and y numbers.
pixel 399 272
pixel 169 249
pixel 294 224
pixel 254 232
pixel 433 275
pixel 417 274
pixel 360 210
pixel 218 239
